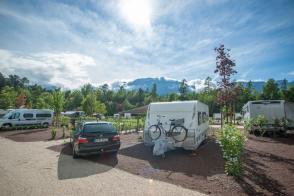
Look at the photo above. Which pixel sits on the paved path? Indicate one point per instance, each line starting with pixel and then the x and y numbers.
pixel 29 168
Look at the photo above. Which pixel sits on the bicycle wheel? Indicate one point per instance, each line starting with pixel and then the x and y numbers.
pixel 179 133
pixel 154 132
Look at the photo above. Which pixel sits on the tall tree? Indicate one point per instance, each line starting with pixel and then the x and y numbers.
pixel 270 90
pixel 154 92
pixel 183 89
pixel 225 68
pixel 58 103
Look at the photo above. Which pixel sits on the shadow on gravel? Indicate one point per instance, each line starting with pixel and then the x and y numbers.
pixel 207 160
pixel 69 168
pixel 256 179
pixel 31 135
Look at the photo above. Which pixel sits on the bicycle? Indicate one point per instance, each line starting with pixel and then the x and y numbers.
pixel 176 130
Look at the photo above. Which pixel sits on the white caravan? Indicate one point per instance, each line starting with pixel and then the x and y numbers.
pixel 271 110
pixel 27 117
pixel 194 116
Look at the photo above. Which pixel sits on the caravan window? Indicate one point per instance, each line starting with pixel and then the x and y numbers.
pixel 28 116
pixel 204 117
pixel 199 118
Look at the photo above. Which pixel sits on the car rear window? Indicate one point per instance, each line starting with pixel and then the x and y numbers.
pixel 101 127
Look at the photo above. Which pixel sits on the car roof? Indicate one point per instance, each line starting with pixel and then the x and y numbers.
pixel 96 122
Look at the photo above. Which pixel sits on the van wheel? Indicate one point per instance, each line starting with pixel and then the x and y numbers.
pixel 45 125
pixel 7 126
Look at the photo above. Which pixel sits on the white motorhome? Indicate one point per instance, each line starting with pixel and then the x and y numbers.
pixel 27 117
pixel 271 110
pixel 195 120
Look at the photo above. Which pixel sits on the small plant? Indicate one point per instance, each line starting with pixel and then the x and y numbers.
pixel 248 125
pixel 232 143
pixel 260 121
pixel 53 133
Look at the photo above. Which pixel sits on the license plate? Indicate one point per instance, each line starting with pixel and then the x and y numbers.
pixel 101 140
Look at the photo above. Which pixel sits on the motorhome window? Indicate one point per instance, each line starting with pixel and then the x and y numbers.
pixel 204 118
pixel 28 115
pixel 43 115
pixel 14 116
pixel 199 118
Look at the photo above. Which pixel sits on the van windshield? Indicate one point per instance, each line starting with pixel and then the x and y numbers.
pixel 99 127
pixel 5 116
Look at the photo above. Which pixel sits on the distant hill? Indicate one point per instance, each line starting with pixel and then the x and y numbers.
pixel 166 85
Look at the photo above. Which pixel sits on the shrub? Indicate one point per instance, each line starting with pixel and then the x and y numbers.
pixel 260 121
pixel 248 125
pixel 232 143
pixel 53 133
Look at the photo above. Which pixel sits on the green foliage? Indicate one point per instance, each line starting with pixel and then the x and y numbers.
pixel 270 90
pixel 91 105
pixel 7 98
pixel 232 143
pixel 53 133
pixel 260 121
pixel 64 120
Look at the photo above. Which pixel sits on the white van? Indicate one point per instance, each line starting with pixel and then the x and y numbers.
pixel 193 116
pixel 27 117
pixel 271 110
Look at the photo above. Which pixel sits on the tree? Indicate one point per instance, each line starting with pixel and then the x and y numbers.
pixel 154 92
pixel 183 89
pixel 225 68
pixel 90 105
pixel 21 100
pixel 270 90
pixel 208 84
pixel 2 81
pixel 87 89
pixel 58 103
pixel 7 98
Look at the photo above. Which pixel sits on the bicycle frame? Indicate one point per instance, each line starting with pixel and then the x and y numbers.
pixel 160 126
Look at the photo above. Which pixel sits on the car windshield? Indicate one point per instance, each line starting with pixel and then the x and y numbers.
pixel 99 127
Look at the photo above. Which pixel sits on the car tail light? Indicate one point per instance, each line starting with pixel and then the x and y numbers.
pixel 116 138
pixel 82 140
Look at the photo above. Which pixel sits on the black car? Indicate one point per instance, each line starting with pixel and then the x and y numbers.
pixel 94 138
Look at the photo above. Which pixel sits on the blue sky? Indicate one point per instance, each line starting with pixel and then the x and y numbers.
pixel 69 43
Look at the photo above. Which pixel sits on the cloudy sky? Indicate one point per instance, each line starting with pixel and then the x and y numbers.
pixel 69 43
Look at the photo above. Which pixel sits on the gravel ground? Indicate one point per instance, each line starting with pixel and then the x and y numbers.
pixel 29 168
pixel 32 164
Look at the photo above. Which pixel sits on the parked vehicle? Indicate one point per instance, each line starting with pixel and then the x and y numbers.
pixel 272 110
pixel 27 117
pixel 216 118
pixel 94 138
pixel 73 114
pixel 189 117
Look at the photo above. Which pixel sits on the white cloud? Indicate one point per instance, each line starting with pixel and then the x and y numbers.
pixel 67 70
pixel 291 73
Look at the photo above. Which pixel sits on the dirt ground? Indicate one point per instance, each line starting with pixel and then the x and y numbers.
pixel 268 164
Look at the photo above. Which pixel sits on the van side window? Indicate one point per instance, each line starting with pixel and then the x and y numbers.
pixel 48 115
pixel 199 118
pixel 14 116
pixel 28 116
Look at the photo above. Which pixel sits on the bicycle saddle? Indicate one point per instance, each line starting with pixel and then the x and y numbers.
pixel 172 119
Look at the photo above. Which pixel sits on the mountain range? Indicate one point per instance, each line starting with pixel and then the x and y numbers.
pixel 167 85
